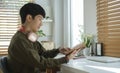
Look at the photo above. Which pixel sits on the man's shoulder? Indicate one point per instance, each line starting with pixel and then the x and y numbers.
pixel 18 36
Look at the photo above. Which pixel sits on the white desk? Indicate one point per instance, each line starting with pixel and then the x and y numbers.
pixel 86 66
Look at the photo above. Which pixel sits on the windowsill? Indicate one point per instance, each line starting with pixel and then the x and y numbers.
pixel 86 66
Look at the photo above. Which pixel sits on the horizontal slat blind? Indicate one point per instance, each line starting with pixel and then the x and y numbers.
pixel 108 23
pixel 9 20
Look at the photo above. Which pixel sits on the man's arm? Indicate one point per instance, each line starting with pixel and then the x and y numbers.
pixel 47 53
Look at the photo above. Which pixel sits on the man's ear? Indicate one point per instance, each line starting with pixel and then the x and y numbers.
pixel 28 18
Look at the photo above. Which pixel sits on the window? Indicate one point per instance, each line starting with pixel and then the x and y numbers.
pixel 76 21
pixel 9 20
pixel 108 22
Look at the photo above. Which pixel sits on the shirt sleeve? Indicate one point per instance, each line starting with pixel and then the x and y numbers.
pixel 47 53
pixel 26 54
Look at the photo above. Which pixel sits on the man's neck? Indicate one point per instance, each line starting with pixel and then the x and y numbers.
pixel 27 28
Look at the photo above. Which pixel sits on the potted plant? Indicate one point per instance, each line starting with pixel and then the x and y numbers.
pixel 87 40
pixel 41 33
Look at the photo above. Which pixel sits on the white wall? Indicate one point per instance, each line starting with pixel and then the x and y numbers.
pixel 90 17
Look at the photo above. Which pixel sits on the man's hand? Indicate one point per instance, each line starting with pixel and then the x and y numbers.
pixel 67 51
pixel 71 55
pixel 64 51
pixel 75 50
pixel 79 47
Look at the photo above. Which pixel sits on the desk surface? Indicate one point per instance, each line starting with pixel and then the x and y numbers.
pixel 83 65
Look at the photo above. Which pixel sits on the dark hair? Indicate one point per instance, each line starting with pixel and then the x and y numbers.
pixel 32 9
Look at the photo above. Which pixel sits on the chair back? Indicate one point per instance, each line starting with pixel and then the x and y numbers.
pixel 3 64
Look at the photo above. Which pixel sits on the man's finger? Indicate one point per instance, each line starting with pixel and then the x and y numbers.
pixel 74 52
pixel 69 48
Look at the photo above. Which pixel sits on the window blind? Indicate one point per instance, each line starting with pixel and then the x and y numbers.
pixel 108 25
pixel 9 20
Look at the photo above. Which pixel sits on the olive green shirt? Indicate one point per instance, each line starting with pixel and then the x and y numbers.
pixel 25 56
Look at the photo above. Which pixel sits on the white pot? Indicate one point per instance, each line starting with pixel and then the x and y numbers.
pixel 86 52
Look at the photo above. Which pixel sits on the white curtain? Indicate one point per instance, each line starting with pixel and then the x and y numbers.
pixel 67 23
pixel 61 29
pixel 57 6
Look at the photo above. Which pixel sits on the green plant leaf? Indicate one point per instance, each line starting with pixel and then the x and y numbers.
pixel 40 33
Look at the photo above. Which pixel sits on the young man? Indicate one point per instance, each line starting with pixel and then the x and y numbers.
pixel 25 53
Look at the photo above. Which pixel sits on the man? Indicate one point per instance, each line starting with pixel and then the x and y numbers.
pixel 25 53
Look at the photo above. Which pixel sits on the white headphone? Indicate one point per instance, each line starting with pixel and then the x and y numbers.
pixel 31 36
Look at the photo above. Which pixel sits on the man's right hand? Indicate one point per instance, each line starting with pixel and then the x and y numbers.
pixel 71 55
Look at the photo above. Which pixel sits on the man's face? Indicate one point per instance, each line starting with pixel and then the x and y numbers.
pixel 36 23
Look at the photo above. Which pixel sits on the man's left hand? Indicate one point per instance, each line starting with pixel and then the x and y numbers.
pixel 64 51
